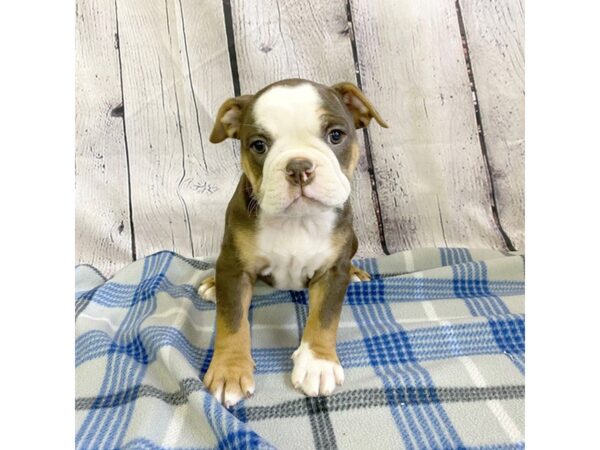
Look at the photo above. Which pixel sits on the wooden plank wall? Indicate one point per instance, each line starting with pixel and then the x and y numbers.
pixel 446 75
pixel 495 33
pixel 103 222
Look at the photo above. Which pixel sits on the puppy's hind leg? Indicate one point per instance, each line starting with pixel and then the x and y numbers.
pixel 357 274
pixel 207 290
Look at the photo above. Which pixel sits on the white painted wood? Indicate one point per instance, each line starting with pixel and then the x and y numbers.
pixel 279 39
pixel 175 75
pixel 102 228
pixel 431 175
pixel 495 36
pixel 432 180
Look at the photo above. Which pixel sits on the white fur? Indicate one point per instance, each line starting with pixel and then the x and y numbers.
pixel 208 292
pixel 231 398
pixel 295 246
pixel 290 114
pixel 313 375
pixel 287 111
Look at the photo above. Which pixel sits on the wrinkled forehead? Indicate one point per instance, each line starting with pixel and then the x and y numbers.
pixel 295 110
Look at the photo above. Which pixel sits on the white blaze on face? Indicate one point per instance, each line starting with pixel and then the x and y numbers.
pixel 290 114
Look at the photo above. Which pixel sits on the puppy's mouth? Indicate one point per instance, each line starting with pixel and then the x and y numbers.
pixel 302 203
pixel 318 192
pixel 305 200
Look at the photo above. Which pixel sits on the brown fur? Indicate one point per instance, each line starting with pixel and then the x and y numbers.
pixel 353 157
pixel 361 274
pixel 238 265
pixel 231 368
pixel 359 105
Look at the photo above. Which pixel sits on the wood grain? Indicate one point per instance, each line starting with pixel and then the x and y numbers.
pixel 152 74
pixel 432 178
pixel 102 227
pixel 175 74
pixel 495 37
pixel 279 39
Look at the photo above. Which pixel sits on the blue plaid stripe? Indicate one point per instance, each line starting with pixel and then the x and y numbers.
pixel 421 344
pixel 394 353
pixel 509 334
pixel 86 295
pixel 453 341
pixel 452 256
pixel 97 343
pixel 510 337
pixel 470 283
pixel 419 289
pixel 421 426
pixel 386 349
pixel 118 295
pixel 231 432
pixel 401 289
pixel 361 293
pixel 101 429
pixel 397 290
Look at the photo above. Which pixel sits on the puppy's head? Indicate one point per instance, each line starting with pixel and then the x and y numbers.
pixel 298 142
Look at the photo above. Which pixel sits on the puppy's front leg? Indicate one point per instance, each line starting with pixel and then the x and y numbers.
pixel 229 377
pixel 317 369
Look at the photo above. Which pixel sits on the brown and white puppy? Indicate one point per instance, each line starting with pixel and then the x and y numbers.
pixel 288 223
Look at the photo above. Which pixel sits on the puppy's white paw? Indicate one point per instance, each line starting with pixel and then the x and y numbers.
pixel 354 279
pixel 207 290
pixel 315 376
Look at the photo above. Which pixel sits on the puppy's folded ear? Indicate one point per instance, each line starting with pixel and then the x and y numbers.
pixel 229 119
pixel 358 104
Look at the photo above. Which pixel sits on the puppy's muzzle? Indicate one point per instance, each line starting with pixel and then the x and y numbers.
pixel 300 171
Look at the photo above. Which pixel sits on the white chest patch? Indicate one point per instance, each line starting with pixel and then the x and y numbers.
pixel 295 247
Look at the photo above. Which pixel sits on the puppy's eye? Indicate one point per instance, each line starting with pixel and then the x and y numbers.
pixel 259 146
pixel 335 136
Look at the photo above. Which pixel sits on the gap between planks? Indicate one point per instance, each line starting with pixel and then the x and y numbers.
pixel 228 19
pixel 122 114
pixel 507 241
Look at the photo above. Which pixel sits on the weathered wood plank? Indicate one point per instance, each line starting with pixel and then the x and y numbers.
pixel 279 39
pixel 495 38
pixel 432 179
pixel 102 227
pixel 175 74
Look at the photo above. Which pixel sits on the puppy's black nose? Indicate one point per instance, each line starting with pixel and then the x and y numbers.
pixel 300 171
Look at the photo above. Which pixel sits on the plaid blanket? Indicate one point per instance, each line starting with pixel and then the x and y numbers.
pixel 433 350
